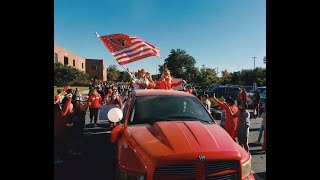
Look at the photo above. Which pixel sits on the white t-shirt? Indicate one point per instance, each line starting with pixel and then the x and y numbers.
pixel 141 81
pixel 207 104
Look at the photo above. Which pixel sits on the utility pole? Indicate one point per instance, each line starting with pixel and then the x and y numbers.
pixel 254 63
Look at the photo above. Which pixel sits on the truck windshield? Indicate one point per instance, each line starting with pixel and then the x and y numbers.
pixel 151 109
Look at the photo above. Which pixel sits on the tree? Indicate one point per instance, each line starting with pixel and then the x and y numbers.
pixel 235 78
pixel 226 77
pixel 248 77
pixel 180 64
pixel 64 75
pixel 113 73
pixel 208 77
pixel 260 74
pixel 124 76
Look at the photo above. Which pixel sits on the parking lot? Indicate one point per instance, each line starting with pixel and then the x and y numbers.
pixel 99 156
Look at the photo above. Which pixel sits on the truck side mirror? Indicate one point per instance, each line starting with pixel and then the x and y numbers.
pixel 115 115
pixel 116 133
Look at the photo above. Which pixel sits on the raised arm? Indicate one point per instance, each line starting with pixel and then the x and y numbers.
pixel 176 84
pixel 221 104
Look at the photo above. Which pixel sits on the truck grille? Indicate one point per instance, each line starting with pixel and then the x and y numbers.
pixel 176 170
pixel 213 167
pixel 231 176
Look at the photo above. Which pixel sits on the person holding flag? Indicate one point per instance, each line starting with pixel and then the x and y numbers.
pixel 141 82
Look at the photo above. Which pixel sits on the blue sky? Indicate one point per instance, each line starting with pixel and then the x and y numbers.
pixel 223 34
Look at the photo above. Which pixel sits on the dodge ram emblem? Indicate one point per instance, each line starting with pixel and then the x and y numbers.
pixel 202 158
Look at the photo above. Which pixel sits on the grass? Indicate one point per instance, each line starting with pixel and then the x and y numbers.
pixel 72 87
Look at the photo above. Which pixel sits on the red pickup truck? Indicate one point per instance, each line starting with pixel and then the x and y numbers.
pixel 168 134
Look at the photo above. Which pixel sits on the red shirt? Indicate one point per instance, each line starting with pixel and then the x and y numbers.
pixel 94 101
pixel 66 88
pixel 230 122
pixel 244 96
pixel 57 99
pixel 166 84
pixel 60 122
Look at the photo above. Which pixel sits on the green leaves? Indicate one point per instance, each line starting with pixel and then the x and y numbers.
pixel 112 73
pixel 64 75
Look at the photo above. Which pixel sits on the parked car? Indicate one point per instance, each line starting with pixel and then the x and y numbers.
pixel 167 134
pixel 224 91
pixel 260 89
pixel 263 95
pixel 248 88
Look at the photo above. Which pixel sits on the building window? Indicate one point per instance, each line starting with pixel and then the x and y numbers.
pixel 55 57
pixel 82 65
pixel 66 62
pixel 74 63
pixel 94 67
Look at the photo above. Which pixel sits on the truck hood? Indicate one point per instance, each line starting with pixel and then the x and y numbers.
pixel 184 140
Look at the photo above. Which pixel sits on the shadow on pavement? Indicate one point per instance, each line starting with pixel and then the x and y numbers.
pixel 254 129
pixel 254 145
pixel 262 175
pixel 97 161
pixel 257 151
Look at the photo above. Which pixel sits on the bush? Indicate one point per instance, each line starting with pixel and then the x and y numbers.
pixel 64 75
pixel 85 83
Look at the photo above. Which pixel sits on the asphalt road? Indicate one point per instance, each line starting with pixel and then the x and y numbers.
pixel 98 158
pixel 258 161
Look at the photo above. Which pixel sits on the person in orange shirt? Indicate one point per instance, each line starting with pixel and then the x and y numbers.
pixel 230 122
pixel 94 103
pixel 243 96
pixel 166 82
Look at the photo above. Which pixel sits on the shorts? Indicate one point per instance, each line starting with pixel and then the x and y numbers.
pixel 243 136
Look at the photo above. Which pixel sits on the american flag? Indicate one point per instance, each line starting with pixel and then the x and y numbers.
pixel 127 49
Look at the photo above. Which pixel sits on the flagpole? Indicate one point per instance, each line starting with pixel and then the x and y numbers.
pixel 118 62
pixel 125 68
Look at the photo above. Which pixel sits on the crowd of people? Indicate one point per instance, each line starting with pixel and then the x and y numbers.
pixel 70 111
pixel 235 117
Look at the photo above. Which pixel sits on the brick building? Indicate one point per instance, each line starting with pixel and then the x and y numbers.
pixel 65 57
pixel 96 68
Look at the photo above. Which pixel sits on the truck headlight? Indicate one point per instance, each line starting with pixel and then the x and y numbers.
pixel 124 175
pixel 246 168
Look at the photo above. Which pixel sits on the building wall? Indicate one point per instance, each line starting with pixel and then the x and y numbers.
pixel 80 62
pixel 96 68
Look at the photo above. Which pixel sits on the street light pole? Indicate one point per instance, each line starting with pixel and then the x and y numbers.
pixel 254 63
